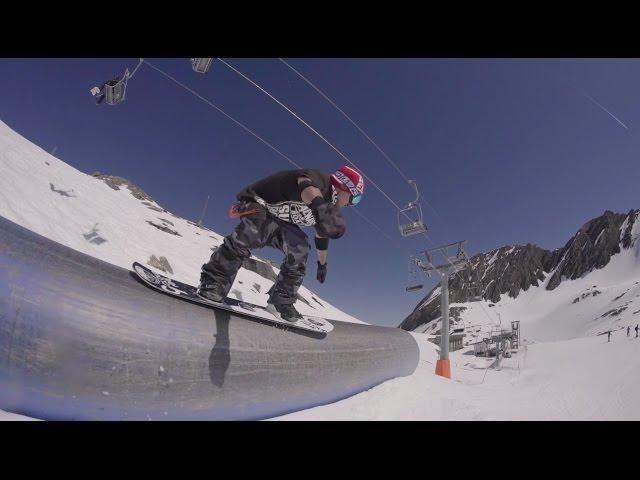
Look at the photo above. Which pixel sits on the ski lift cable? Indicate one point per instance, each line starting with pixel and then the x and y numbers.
pixel 382 152
pixel 319 135
pixel 359 129
pixel 355 125
pixel 395 242
pixel 136 69
pixel 348 118
pixel 248 130
pixel 400 210
pixel 310 128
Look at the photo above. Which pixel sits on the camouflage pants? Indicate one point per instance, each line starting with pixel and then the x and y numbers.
pixel 256 231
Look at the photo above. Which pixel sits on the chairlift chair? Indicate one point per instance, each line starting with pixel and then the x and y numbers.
pixel 476 288
pixel 201 65
pixel 115 90
pixel 412 211
pixel 475 294
pixel 412 284
pixel 414 288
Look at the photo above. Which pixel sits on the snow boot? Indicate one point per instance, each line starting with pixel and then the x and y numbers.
pixel 288 312
pixel 210 290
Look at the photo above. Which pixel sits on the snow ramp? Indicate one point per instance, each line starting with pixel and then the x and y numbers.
pixel 83 339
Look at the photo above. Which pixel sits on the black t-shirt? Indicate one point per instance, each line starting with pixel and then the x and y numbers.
pixel 280 195
pixel 283 186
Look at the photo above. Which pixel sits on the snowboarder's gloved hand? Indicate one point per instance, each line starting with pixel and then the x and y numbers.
pixel 322 272
pixel 329 220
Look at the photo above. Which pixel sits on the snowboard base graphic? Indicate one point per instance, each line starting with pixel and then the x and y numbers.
pixel 189 292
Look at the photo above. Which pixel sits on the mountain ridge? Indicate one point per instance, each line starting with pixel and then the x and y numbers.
pixel 511 269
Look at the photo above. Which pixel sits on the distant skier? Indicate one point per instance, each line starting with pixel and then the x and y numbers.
pixel 636 330
pixel 628 330
pixel 609 336
pixel 272 212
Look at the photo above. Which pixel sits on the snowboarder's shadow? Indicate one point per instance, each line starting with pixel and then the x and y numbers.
pixel 220 357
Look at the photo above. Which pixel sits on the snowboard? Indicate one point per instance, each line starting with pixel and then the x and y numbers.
pixel 189 292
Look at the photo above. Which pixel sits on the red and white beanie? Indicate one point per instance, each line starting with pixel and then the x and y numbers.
pixel 349 180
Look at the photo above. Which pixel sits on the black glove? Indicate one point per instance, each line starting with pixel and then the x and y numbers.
pixel 322 272
pixel 329 220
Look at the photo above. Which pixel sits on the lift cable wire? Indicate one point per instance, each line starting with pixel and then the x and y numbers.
pixel 347 117
pixel 136 69
pixel 310 128
pixel 368 138
pixel 320 136
pixel 248 130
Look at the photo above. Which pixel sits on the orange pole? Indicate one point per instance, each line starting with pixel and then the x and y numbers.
pixel 443 368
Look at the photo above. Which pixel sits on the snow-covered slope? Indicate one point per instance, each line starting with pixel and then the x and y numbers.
pixel 565 369
pixel 604 299
pixel 581 379
pixel 44 194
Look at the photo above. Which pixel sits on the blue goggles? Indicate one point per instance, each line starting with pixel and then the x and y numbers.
pixel 355 199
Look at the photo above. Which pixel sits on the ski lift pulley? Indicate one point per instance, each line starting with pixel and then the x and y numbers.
pixel 412 211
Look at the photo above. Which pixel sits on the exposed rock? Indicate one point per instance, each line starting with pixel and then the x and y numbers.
pixel 619 296
pixel 614 312
pixel 591 247
pixel 164 228
pixel 153 207
pixel 512 269
pixel 117 182
pixel 160 263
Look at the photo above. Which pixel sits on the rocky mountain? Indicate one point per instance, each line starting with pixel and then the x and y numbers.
pixel 117 182
pixel 510 270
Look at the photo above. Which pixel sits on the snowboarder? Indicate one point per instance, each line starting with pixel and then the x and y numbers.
pixel 272 212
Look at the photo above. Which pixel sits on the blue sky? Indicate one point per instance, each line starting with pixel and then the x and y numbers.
pixel 505 151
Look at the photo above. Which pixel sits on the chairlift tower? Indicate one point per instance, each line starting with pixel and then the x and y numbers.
pixel 204 210
pixel 452 264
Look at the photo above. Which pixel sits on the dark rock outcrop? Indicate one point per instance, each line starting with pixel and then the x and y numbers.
pixel 591 247
pixel 509 270
pixel 164 228
pixel 117 182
